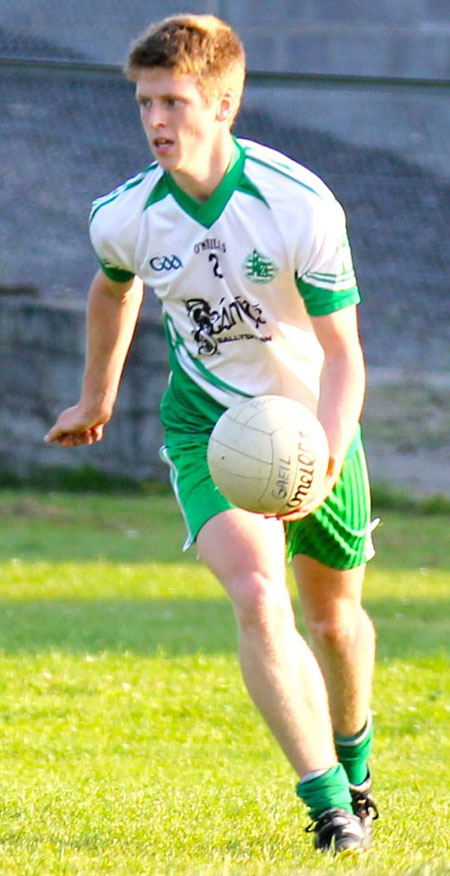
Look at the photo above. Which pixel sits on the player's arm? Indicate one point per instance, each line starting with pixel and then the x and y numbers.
pixel 342 381
pixel 341 392
pixel 112 313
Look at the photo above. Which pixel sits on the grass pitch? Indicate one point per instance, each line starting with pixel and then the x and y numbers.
pixel 129 746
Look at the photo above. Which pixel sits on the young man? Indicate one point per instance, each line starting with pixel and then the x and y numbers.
pixel 247 252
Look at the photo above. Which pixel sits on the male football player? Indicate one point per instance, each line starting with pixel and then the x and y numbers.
pixel 248 254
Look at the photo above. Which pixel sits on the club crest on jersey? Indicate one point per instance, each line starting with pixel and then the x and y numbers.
pixel 259 268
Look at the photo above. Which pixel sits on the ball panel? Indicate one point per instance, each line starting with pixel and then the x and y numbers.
pixel 268 455
pixel 246 411
pixel 237 490
pixel 224 461
pixel 239 476
pixel 265 413
pixel 254 443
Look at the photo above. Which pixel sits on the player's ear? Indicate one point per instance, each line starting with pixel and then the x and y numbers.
pixel 225 106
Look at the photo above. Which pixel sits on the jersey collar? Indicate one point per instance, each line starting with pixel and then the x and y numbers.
pixel 208 212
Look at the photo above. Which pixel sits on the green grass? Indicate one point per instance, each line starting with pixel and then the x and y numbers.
pixel 129 745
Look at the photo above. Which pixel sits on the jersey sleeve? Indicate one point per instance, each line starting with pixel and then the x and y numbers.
pixel 326 277
pixel 108 246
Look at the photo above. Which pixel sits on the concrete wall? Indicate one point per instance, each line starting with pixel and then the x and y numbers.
pixel 355 37
pixel 41 363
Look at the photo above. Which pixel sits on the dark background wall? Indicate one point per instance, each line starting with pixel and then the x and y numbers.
pixel 402 38
pixel 71 133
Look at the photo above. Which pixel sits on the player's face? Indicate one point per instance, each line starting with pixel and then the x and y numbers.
pixel 183 131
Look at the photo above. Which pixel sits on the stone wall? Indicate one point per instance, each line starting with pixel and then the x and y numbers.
pixel 41 361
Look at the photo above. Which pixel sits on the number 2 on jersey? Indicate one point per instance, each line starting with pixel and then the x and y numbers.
pixel 214 259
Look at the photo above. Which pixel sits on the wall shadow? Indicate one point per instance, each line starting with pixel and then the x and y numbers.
pixel 147 626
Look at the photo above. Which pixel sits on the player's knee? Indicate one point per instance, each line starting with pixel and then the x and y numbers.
pixel 258 603
pixel 335 629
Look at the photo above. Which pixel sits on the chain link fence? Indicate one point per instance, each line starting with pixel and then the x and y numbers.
pixel 69 135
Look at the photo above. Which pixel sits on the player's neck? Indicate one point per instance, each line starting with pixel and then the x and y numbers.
pixel 202 181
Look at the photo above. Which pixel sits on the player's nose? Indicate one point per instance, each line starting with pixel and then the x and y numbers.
pixel 155 116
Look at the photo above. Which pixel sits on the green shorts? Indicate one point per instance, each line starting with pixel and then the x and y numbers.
pixel 337 534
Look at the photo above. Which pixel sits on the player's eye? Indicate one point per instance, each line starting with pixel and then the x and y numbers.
pixel 174 101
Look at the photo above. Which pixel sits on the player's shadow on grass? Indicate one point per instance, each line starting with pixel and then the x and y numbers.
pixel 147 626
pixel 174 627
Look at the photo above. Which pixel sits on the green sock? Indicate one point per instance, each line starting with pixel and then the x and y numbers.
pixel 327 791
pixel 353 751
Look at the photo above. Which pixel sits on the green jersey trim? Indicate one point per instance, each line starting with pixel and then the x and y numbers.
pixel 249 188
pixel 158 192
pixel 119 275
pixel 208 212
pixel 320 301
pixel 179 351
pixel 130 184
pixel 283 171
pixel 322 276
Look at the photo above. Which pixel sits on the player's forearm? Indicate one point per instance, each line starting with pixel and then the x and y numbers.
pixel 341 401
pixel 111 320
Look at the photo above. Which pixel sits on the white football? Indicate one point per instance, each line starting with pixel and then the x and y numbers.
pixel 268 454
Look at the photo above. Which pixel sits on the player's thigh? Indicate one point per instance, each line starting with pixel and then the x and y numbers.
pixel 233 543
pixel 240 547
pixel 196 494
pixel 338 534
pixel 328 596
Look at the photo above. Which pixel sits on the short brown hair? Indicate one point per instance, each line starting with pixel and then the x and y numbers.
pixel 200 45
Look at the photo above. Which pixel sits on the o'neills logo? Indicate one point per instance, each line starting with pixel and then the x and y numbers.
pixel 210 243
pixel 304 465
pixel 306 460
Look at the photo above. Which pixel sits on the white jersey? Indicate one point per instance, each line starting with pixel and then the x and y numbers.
pixel 238 276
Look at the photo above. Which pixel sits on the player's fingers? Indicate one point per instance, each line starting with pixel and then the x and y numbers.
pixel 53 434
pixel 65 440
pixel 96 432
pixel 302 512
pixel 58 433
pixel 84 437
pixel 294 515
pixel 75 439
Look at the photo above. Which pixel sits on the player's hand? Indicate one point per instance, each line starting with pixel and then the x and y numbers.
pixel 74 427
pixel 308 508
